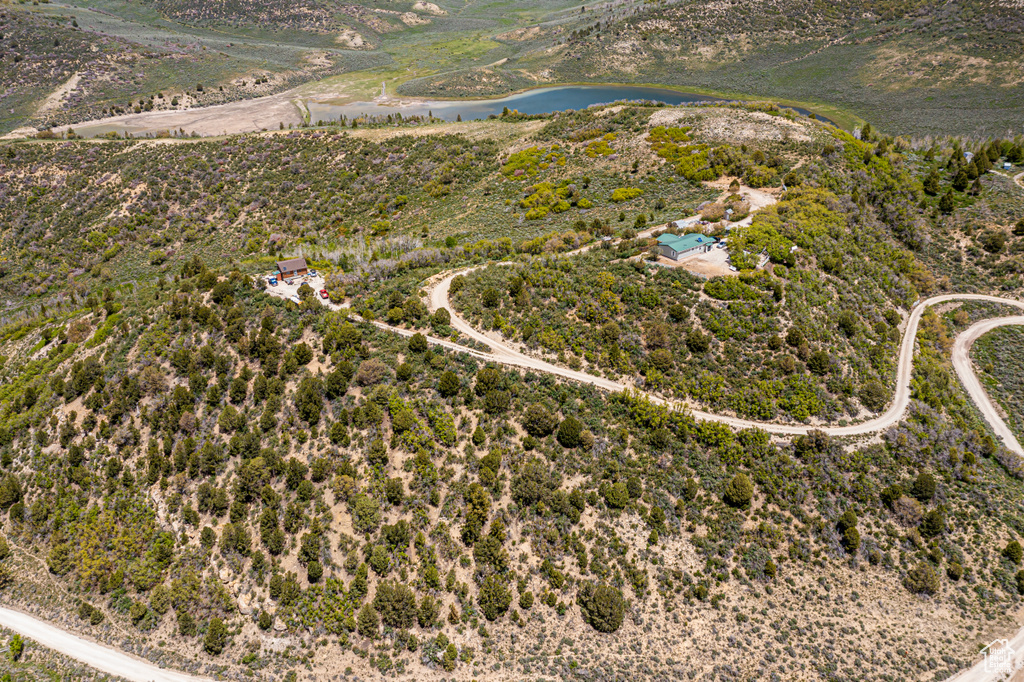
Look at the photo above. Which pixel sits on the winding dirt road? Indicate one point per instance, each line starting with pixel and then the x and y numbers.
pixel 506 355
pixel 965 370
pixel 502 353
pixel 117 663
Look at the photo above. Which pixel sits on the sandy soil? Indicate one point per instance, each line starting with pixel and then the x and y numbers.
pixel 758 198
pixel 350 38
pixel 728 125
pixel 57 97
pixel 245 116
pixel 19 133
pixel 428 7
pixel 413 19
pixel 529 33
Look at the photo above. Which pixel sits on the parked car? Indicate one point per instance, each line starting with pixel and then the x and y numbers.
pixel 312 273
pixel 289 281
pixel 295 298
pixel 324 294
pixel 272 281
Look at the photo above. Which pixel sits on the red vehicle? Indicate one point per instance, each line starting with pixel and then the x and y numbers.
pixel 324 294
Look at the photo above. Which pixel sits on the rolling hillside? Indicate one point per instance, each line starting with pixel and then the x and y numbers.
pixel 227 482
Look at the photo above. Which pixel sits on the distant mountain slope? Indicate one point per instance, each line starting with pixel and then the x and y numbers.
pixel 61 65
pixel 919 67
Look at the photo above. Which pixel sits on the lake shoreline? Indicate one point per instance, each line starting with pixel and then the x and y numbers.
pixel 293 109
pixel 826 110
pixel 472 109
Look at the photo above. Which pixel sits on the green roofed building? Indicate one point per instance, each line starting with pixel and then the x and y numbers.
pixel 676 246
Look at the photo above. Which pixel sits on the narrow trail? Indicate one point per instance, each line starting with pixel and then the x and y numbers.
pixel 828 44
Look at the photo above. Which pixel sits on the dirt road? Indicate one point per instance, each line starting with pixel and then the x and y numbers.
pixel 965 370
pixel 1018 178
pixel 506 355
pixel 136 670
pixel 117 663
pixel 95 655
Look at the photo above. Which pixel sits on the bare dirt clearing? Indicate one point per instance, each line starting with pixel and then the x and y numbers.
pixel 350 38
pixel 428 7
pixel 758 198
pixel 57 97
pixel 413 19
pixel 728 125
pixel 264 113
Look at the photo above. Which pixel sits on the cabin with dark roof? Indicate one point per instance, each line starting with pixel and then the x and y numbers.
pixel 292 267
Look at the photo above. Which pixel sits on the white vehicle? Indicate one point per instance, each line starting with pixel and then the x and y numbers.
pixel 294 297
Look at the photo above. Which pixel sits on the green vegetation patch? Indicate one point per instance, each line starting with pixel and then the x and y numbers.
pixel 533 160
